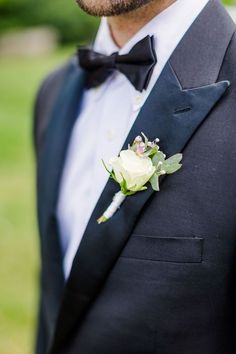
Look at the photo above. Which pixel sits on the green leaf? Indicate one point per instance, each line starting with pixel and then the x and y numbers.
pixel 151 152
pixel 154 180
pixel 172 164
pixel 159 156
pixel 111 173
pixel 123 187
pixel 113 176
pixel 174 159
pixel 133 192
pixel 171 168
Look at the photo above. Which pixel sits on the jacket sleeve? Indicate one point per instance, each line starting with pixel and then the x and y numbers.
pixel 44 103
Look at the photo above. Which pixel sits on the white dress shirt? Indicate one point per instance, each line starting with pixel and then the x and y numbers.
pixel 107 115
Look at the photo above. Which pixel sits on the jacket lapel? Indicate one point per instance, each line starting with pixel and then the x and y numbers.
pixel 171 113
pixel 63 116
pixel 50 165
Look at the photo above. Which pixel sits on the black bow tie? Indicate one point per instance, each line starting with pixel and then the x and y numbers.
pixel 137 65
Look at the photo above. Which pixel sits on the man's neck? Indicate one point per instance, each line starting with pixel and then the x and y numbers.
pixel 124 27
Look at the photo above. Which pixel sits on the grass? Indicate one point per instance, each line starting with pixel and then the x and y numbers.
pixel 230 2
pixel 19 258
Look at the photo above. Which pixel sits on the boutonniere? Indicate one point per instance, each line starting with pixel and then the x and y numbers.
pixel 141 164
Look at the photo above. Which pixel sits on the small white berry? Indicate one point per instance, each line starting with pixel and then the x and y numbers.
pixel 138 139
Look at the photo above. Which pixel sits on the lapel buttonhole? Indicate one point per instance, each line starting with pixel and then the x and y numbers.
pixel 182 110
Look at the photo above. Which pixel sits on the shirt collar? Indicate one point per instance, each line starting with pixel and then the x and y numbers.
pixel 104 42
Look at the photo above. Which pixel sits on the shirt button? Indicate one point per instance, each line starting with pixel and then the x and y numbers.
pixel 137 102
pixel 138 99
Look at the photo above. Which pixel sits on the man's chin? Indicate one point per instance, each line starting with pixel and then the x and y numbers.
pixel 110 7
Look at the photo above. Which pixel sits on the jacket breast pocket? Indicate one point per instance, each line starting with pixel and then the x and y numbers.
pixel 165 249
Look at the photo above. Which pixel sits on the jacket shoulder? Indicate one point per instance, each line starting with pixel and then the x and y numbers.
pixel 228 69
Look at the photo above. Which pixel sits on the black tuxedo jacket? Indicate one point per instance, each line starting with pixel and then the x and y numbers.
pixel 159 277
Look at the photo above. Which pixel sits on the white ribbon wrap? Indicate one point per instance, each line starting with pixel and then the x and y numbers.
pixel 117 200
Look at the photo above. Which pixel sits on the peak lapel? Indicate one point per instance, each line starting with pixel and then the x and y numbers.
pixel 170 113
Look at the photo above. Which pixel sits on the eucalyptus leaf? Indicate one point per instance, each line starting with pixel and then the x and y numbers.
pixel 171 168
pixel 159 156
pixel 154 180
pixel 174 159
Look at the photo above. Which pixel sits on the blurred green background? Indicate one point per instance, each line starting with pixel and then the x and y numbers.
pixel 20 75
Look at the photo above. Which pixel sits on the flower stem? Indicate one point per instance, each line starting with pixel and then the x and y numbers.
pixel 102 219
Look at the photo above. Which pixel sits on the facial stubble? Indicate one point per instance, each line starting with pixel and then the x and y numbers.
pixel 111 7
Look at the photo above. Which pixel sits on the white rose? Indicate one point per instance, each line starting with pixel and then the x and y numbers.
pixel 136 170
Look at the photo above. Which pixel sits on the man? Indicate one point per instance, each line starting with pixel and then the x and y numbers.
pixel 159 276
